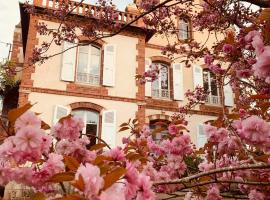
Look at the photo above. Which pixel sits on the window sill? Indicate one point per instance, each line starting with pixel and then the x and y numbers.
pixel 87 89
pixel 215 108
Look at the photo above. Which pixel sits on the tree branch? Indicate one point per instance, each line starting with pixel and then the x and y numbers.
pixel 214 171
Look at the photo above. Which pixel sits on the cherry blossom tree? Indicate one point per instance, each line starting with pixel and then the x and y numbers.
pixel 234 163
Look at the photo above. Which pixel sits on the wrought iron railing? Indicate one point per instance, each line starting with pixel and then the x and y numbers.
pixel 88 78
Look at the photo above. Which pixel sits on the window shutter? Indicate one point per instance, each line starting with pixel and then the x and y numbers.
pixel 197 76
pixel 109 65
pixel 178 83
pixel 68 62
pixel 148 89
pixel 109 127
pixel 228 93
pixel 201 136
pixel 59 112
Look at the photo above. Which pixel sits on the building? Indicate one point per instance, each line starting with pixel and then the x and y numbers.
pixel 97 82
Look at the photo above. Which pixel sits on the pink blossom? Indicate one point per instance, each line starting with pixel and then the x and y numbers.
pixel 188 196
pixel 46 142
pixel 249 37
pixel 28 118
pixel 255 195
pixel 205 166
pixel 117 154
pixel 213 194
pixel 116 190
pixel 64 147
pixel 228 48
pixel 173 130
pixel 262 66
pixel 92 179
pixel 28 138
pixel 215 135
pixel 55 163
pixel 253 130
pixel 145 192
pixel 69 129
pixel 208 59
pixel 258 44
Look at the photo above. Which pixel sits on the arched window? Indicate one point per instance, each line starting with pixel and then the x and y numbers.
pixel 89 61
pixel 184 29
pixel 159 124
pixel 210 85
pixel 91 122
pixel 160 87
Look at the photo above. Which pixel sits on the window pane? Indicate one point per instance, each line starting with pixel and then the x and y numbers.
pixel 184 29
pixel 91 118
pixel 83 60
pixel 164 77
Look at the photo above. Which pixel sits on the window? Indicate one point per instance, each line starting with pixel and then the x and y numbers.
pixel 210 85
pixel 159 124
pixel 160 87
pixel 91 122
pixel 88 70
pixel 184 29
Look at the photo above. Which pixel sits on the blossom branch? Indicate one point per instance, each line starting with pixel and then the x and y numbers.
pixel 210 172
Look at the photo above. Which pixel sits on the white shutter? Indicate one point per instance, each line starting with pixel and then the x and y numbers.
pixel 148 89
pixel 109 127
pixel 109 65
pixel 178 83
pixel 197 76
pixel 59 112
pixel 228 93
pixel 68 62
pixel 201 136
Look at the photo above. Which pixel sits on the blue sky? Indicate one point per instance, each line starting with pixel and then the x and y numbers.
pixel 9 17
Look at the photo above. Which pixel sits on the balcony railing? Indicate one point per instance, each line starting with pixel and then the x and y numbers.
pixel 88 78
pixel 86 10
pixel 214 100
pixel 161 93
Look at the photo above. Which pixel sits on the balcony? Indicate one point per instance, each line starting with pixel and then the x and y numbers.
pixel 213 100
pixel 86 10
pixel 88 78
pixel 161 93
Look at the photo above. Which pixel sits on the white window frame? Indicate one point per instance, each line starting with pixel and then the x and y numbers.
pixel 159 82
pixel 89 65
pixel 184 34
pixel 211 99
pixel 85 119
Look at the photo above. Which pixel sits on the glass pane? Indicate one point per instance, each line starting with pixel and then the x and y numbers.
pixel 82 62
pixel 91 129
pixel 95 64
pixel 91 117
pixel 205 81
pixel 164 77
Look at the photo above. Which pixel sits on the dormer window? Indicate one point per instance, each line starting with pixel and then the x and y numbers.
pixel 184 29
